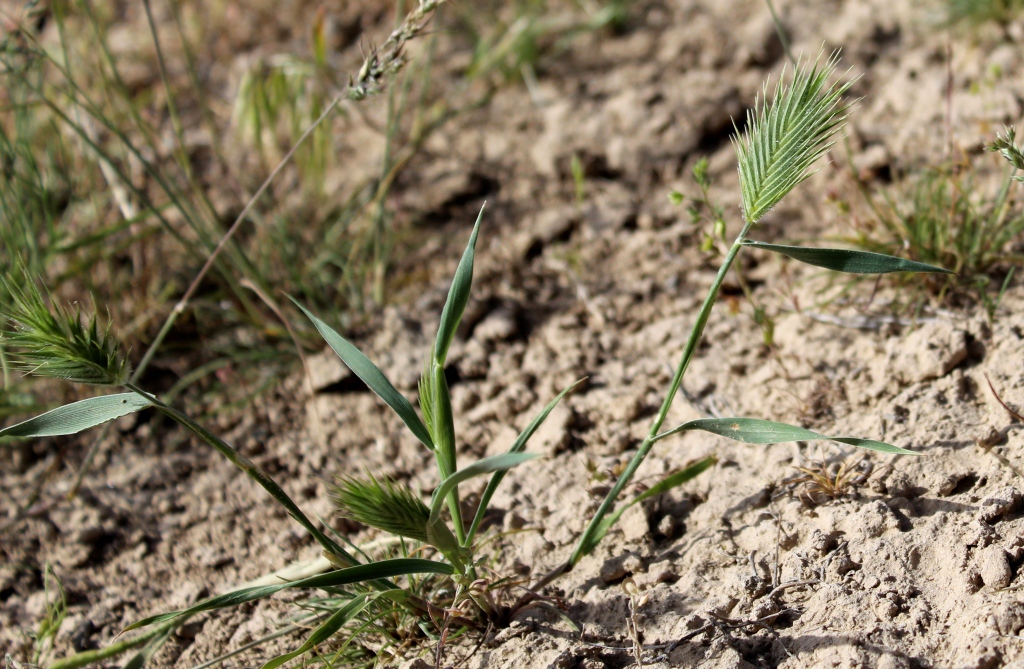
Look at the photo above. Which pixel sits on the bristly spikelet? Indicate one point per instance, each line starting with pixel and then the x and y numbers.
pixel 1008 148
pixel 785 137
pixel 57 343
pixel 384 504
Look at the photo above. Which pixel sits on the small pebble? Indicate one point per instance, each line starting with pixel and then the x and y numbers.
pixel 994 567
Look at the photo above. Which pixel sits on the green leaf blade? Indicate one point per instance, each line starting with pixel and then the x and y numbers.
pixel 458 297
pixel 756 431
pixel 872 445
pixel 371 375
pixel 679 478
pixel 358 574
pixel 325 631
pixel 518 446
pixel 846 260
pixel 442 424
pixel 663 486
pixel 484 466
pixel 78 416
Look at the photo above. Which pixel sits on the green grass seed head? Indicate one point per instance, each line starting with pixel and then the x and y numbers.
pixel 57 342
pixel 785 137
pixel 382 503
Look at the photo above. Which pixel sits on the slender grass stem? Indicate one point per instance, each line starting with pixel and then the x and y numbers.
pixel 781 31
pixel 183 303
pixel 113 650
pixel 172 108
pixel 247 466
pixel 588 539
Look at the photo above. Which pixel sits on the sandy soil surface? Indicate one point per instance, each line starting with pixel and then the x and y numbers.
pixel 916 566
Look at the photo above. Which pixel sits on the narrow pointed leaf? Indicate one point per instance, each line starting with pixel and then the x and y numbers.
pixel 330 627
pixel 517 447
pixel 371 376
pixel 322 633
pixel 485 466
pixel 755 431
pixel 443 425
pixel 458 297
pixel 358 574
pixel 677 479
pixel 663 486
pixel 845 260
pixel 73 418
pixel 142 658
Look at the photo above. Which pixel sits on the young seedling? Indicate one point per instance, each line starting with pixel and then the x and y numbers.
pixel 783 139
pixel 55 342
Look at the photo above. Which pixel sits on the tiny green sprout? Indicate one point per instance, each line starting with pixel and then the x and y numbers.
pixel 675 197
pixel 700 173
pixel 59 343
pixel 579 178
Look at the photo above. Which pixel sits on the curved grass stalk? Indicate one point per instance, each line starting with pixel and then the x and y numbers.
pixel 590 537
pixel 251 469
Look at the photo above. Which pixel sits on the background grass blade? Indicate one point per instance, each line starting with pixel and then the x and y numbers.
pixel 458 296
pixel 845 260
pixel 325 631
pixel 756 431
pixel 73 418
pixel 361 573
pixel 371 375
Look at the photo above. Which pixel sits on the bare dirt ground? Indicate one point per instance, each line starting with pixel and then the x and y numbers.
pixel 917 567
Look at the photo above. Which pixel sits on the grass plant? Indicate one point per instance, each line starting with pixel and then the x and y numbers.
pixel 449 591
pixel 940 217
pixel 51 341
pixel 973 13
pixel 782 140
